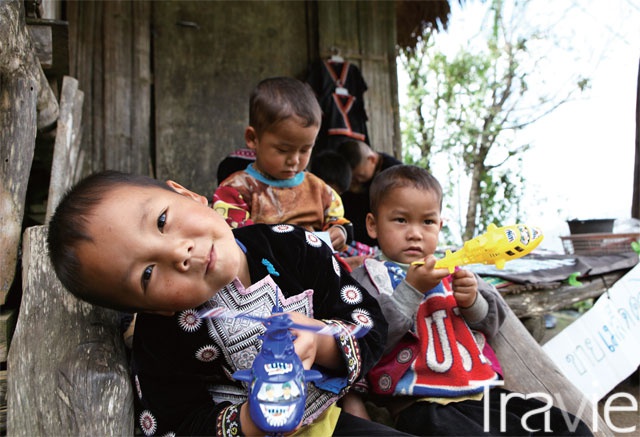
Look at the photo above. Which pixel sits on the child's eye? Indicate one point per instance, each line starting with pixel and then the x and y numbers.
pixel 162 220
pixel 146 276
pixel 429 222
pixel 399 220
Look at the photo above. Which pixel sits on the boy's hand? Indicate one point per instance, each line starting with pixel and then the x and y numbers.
pixel 314 348
pixel 465 288
pixel 424 277
pixel 338 237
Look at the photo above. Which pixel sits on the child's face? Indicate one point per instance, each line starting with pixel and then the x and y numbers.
pixel 158 250
pixel 407 224
pixel 284 150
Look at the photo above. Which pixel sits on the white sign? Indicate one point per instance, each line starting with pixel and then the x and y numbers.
pixel 602 347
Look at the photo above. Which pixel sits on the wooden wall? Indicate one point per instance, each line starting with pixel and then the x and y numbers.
pixel 167 83
pixel 110 55
pixel 207 58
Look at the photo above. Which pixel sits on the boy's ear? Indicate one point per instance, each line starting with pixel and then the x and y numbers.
pixel 188 193
pixel 372 161
pixel 371 226
pixel 250 137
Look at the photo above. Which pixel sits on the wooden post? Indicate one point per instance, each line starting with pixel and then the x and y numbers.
pixel 26 104
pixel 635 204
pixel 528 369
pixel 68 371
pixel 64 168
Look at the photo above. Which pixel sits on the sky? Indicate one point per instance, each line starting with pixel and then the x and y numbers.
pixel 580 165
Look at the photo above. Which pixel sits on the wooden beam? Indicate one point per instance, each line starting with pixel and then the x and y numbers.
pixel 68 370
pixel 42 39
pixel 27 104
pixel 50 39
pixel 528 369
pixel 635 204
pixel 7 325
pixel 64 167
pixel 3 402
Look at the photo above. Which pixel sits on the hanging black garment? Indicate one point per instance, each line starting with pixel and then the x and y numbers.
pixel 339 87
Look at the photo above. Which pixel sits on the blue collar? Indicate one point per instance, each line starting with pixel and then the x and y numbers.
pixel 280 183
pixel 242 246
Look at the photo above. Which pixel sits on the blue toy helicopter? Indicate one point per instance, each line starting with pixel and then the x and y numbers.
pixel 277 379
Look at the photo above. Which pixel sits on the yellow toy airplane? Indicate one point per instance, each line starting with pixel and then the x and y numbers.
pixel 496 246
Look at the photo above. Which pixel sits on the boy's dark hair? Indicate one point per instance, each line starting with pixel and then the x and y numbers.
pixel 277 98
pixel 68 227
pixel 332 168
pixel 351 150
pixel 400 176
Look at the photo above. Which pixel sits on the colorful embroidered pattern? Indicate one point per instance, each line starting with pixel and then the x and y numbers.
pixel 228 424
pixel 350 349
pixel 313 240
pixel 351 294
pixel 336 266
pixel 282 229
pixel 148 423
pixel 189 320
pixel 272 270
pixel 207 353
pixel 362 318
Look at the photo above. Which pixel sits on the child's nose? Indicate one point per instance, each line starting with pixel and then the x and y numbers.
pixel 414 232
pixel 181 255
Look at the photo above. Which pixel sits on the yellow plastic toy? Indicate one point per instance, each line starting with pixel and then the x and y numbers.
pixel 496 246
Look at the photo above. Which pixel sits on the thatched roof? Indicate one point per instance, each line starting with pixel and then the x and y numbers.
pixel 414 15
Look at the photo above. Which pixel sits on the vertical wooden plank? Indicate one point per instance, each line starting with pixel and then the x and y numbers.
pixel 377 38
pixel 117 84
pixel 396 139
pixel 51 9
pixel 3 402
pixel 17 145
pixel 141 89
pixel 635 202
pixel 338 27
pixel 20 87
pixel 68 371
pixel 67 143
pixel 85 59
pixel 95 29
pixel 7 325
pixel 528 369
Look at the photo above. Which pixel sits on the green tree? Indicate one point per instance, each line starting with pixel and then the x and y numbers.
pixel 463 110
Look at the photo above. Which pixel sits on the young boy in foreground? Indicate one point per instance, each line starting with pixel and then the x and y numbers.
pixel 134 244
pixel 284 120
pixel 437 368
